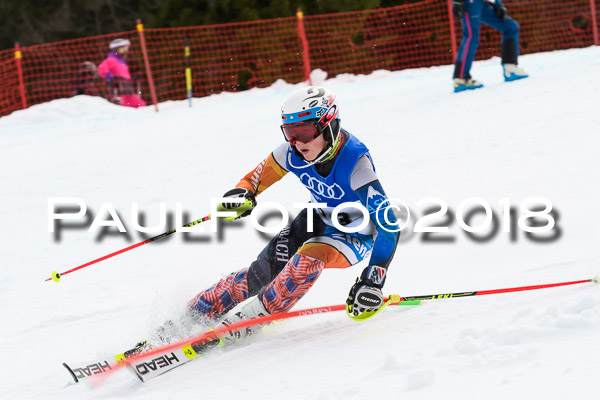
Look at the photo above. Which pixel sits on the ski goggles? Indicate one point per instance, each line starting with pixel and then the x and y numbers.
pixel 303 132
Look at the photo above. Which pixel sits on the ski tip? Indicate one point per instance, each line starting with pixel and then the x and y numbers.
pixel 596 279
pixel 71 372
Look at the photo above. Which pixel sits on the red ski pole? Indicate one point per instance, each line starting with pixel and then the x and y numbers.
pixel 396 298
pixel 56 275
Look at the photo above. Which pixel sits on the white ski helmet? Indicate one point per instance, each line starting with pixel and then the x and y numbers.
pixel 119 42
pixel 308 113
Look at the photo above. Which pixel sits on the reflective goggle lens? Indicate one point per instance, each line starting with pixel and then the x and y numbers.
pixel 303 132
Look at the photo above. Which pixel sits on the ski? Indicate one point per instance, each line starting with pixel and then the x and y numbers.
pixel 148 363
pixel 145 368
pixel 82 370
pixel 164 361
pixel 87 369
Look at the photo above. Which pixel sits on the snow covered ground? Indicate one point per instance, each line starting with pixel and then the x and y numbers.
pixel 532 138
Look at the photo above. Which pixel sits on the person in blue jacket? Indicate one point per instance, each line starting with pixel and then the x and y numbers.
pixel 490 12
pixel 335 168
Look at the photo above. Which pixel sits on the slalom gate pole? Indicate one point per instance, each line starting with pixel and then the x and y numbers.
pixel 392 300
pixel 452 31
pixel 140 29
pixel 304 42
pixel 18 57
pixel 188 70
pixel 57 275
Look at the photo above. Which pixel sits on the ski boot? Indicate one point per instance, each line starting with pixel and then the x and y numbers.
pixel 462 84
pixel 206 344
pixel 512 72
pixel 253 309
pixel 139 348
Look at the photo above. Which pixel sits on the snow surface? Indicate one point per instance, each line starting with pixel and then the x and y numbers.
pixel 537 137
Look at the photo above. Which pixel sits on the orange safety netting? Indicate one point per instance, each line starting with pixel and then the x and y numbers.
pixel 228 57
pixel 239 56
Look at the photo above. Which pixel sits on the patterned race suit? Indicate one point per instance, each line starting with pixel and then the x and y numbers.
pixel 293 260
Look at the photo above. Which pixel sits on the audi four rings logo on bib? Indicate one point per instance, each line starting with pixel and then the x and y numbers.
pixel 321 188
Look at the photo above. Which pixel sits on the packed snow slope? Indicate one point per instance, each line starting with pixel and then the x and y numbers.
pixel 532 138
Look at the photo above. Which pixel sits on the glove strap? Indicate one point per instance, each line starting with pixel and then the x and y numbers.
pixel 244 206
pixel 367 314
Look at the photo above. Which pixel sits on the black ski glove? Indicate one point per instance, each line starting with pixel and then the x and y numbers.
pixel 364 299
pixel 501 12
pixel 459 8
pixel 243 209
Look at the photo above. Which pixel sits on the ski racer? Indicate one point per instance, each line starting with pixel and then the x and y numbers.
pixel 116 72
pixel 490 12
pixel 335 167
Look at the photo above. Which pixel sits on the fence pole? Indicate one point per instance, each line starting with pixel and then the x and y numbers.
pixel 18 56
pixel 140 29
pixel 594 22
pixel 302 34
pixel 452 32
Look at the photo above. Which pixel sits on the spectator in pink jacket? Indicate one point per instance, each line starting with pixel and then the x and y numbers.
pixel 114 69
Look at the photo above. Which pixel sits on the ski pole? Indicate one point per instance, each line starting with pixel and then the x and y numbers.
pixel 57 275
pixel 397 298
pixel 392 300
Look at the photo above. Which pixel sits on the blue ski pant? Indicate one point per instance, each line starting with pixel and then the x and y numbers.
pixel 478 12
